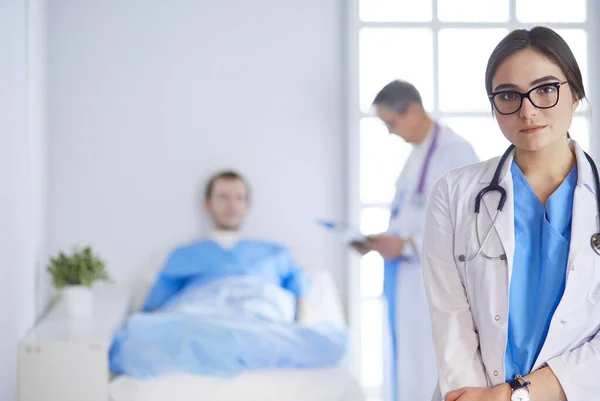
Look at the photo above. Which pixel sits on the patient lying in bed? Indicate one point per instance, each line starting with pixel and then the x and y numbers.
pixel 224 305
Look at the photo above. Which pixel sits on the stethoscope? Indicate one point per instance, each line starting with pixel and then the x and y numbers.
pixel 419 198
pixel 495 186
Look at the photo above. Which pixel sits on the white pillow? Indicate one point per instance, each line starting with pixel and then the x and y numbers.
pixel 141 284
pixel 323 300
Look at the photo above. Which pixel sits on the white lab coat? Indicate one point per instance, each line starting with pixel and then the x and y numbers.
pixel 416 361
pixel 469 300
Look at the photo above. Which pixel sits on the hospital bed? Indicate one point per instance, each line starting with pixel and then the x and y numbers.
pixel 326 384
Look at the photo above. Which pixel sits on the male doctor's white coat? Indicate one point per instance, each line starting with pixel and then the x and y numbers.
pixel 411 360
pixel 469 300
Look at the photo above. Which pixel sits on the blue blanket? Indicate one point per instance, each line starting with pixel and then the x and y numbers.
pixel 223 328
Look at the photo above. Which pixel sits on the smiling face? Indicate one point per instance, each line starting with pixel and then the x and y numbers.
pixel 532 128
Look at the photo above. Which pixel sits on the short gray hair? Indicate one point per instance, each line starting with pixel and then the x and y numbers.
pixel 397 96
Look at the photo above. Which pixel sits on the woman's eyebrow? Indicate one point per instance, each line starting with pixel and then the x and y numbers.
pixel 532 83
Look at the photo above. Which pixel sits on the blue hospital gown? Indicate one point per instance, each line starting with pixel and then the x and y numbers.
pixel 206 260
pixel 543 237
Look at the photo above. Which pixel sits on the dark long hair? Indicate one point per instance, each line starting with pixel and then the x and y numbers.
pixel 545 41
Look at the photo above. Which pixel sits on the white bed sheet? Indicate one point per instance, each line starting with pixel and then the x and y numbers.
pixel 332 384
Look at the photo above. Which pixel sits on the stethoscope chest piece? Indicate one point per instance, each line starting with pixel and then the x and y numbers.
pixel 596 243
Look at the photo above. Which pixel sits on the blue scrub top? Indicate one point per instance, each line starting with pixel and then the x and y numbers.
pixel 205 261
pixel 543 236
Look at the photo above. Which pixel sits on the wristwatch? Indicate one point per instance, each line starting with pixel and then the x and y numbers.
pixel 520 389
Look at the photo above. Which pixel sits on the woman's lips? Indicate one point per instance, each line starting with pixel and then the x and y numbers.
pixel 532 129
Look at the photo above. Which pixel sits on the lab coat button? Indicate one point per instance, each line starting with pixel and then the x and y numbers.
pixel 497 317
pixel 495 373
pixel 563 321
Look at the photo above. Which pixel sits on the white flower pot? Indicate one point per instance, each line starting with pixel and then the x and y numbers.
pixel 79 300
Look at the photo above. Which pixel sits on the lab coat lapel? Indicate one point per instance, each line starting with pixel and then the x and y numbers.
pixel 584 223
pixel 505 224
pixel 581 217
pixel 584 215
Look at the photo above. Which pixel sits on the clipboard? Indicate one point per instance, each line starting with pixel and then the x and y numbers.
pixel 343 230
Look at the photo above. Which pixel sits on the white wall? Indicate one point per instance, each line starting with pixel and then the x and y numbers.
pixel 147 98
pixel 38 146
pixel 593 87
pixel 22 178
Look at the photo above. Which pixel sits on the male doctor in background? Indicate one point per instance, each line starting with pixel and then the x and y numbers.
pixel 436 150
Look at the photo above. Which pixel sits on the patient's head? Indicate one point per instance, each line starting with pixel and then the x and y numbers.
pixel 226 199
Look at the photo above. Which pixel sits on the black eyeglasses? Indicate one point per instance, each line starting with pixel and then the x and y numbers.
pixel 543 97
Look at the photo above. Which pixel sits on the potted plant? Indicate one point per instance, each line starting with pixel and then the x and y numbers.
pixel 74 275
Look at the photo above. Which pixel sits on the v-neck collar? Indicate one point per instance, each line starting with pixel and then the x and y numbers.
pixel 554 210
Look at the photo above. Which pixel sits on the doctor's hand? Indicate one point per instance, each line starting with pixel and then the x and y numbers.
pixel 498 393
pixel 388 246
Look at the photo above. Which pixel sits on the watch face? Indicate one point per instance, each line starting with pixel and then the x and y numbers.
pixel 520 394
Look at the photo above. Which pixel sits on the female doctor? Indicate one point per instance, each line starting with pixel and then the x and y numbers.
pixel 511 264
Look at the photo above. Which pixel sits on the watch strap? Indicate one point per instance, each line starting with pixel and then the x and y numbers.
pixel 515 384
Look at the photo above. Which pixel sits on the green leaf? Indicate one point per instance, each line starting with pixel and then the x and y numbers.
pixel 81 267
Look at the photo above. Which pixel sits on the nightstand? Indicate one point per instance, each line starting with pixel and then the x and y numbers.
pixel 65 358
